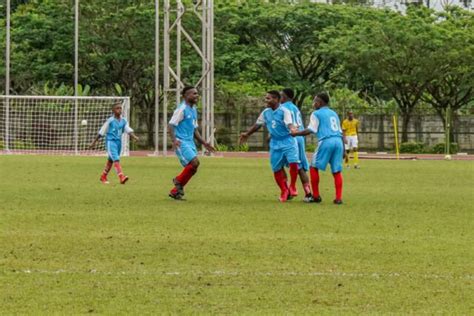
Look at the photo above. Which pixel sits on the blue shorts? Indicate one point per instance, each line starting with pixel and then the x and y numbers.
pixel 281 157
pixel 330 150
pixel 186 152
pixel 304 164
pixel 114 149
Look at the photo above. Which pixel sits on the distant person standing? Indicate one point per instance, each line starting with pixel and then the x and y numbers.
pixel 350 128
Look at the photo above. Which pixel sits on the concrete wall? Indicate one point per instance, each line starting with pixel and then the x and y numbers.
pixel 376 132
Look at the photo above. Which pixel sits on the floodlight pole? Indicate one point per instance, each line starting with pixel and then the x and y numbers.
pixel 172 80
pixel 76 76
pixel 7 77
pixel 157 76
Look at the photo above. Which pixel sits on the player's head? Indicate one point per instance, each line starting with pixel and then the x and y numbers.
pixel 190 95
pixel 272 99
pixel 350 115
pixel 117 108
pixel 287 94
pixel 320 100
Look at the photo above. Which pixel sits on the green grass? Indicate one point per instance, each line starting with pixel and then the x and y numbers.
pixel 402 243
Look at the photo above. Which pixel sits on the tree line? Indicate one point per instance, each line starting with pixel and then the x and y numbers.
pixel 412 58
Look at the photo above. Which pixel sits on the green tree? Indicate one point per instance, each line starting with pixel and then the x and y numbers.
pixel 453 85
pixel 281 44
pixel 395 51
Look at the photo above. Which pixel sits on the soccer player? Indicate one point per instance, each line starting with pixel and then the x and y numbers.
pixel 350 129
pixel 287 96
pixel 283 147
pixel 183 130
pixel 112 130
pixel 326 125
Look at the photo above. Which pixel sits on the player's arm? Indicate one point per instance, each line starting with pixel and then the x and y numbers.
pixel 312 127
pixel 201 141
pixel 344 130
pixel 94 142
pixel 102 132
pixel 255 127
pixel 177 117
pixel 305 132
pixel 130 132
pixel 245 135
pixel 176 142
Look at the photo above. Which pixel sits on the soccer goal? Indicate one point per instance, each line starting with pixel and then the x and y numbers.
pixel 56 125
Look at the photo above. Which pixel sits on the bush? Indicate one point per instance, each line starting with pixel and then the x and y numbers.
pixel 222 147
pixel 243 147
pixel 441 148
pixel 412 148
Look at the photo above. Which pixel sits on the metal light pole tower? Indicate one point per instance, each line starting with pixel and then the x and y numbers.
pixel 7 76
pixel 174 15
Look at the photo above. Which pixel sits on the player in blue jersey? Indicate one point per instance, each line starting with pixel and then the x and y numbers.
pixel 287 96
pixel 326 125
pixel 183 130
pixel 283 147
pixel 112 130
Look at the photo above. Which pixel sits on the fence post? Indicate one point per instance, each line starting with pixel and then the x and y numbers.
pixel 395 129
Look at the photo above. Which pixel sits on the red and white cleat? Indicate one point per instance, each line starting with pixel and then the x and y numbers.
pixel 104 180
pixel 123 179
pixel 293 192
pixel 284 196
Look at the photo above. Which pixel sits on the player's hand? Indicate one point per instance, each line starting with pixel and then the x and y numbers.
pixel 91 146
pixel 294 132
pixel 176 144
pixel 209 147
pixel 243 138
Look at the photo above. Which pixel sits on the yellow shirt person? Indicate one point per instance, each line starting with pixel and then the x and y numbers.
pixel 350 128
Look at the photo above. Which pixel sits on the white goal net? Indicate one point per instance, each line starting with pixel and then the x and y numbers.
pixel 56 125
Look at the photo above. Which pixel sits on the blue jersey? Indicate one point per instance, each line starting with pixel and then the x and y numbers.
pixel 295 113
pixel 113 129
pixel 277 122
pixel 325 123
pixel 185 122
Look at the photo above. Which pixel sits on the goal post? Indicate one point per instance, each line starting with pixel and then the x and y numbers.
pixel 56 125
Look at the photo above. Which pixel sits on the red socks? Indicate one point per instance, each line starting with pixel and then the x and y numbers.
pixel 118 168
pixel 185 175
pixel 338 184
pixel 293 175
pixel 314 173
pixel 280 179
pixel 107 168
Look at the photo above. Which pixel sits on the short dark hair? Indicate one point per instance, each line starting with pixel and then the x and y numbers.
pixel 274 93
pixel 289 92
pixel 186 89
pixel 323 96
pixel 117 103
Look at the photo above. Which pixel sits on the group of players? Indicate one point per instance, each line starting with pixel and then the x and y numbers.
pixel 284 123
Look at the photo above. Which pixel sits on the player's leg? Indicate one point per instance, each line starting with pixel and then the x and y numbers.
pixel 303 168
pixel 277 161
pixel 336 167
pixel 291 156
pixel 108 166
pixel 187 154
pixel 347 147
pixel 114 148
pixel 355 151
pixel 320 162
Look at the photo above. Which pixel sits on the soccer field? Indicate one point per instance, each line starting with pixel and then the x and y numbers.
pixel 402 242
